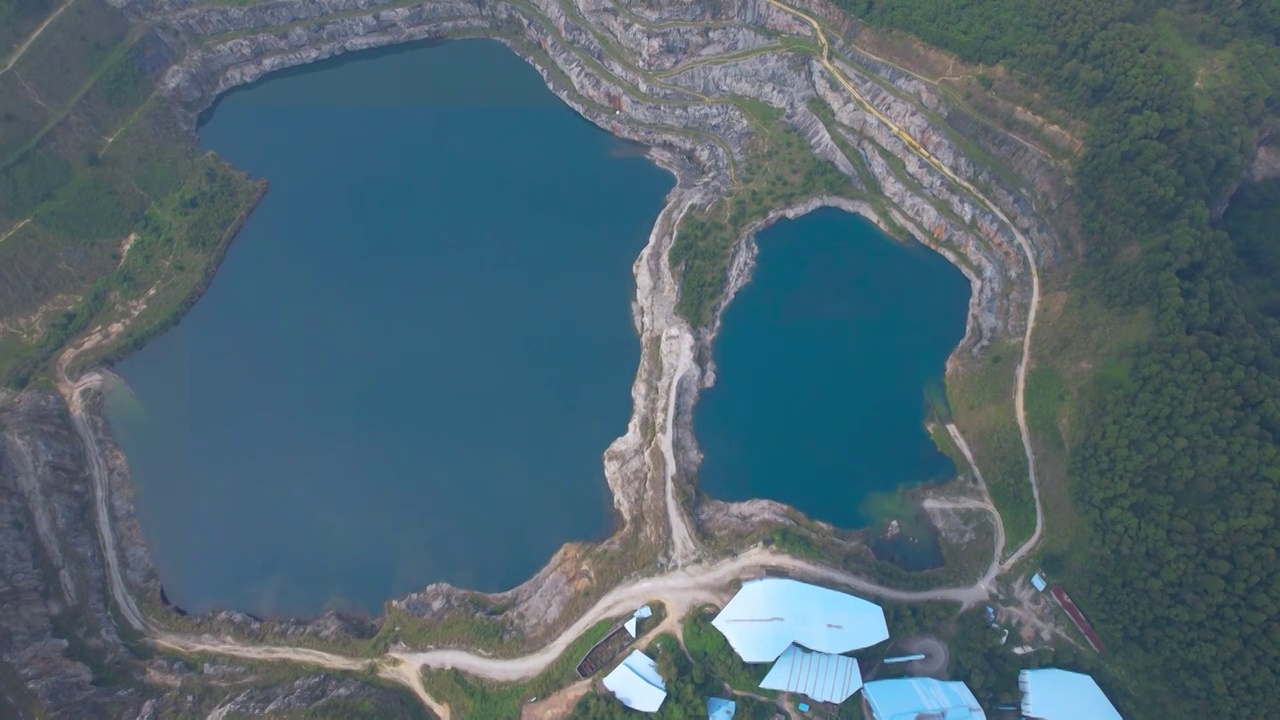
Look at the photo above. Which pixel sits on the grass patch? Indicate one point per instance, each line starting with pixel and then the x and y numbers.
pixel 689 684
pixel 765 115
pixel 21 116
pixel 709 650
pixel 71 50
pixel 981 397
pixel 480 628
pixel 18 19
pixel 33 263
pixel 95 205
pixel 31 180
pixel 469 698
pixel 179 243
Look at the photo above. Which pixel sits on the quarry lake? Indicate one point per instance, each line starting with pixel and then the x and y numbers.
pixel 417 350
pixel 822 365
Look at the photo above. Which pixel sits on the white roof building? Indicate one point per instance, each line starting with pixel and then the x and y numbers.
pixel 768 615
pixel 1053 694
pixel 637 684
pixel 822 677
pixel 915 698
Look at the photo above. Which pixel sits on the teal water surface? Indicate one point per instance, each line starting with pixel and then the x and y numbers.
pixel 417 350
pixel 821 367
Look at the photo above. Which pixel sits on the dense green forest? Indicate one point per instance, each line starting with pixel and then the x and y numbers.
pixel 1177 466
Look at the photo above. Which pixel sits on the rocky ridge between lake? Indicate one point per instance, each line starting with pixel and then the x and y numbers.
pixel 649 72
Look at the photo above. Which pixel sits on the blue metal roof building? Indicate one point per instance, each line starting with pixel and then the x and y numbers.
pixel 768 615
pixel 822 677
pixel 914 698
pixel 637 684
pixel 1053 694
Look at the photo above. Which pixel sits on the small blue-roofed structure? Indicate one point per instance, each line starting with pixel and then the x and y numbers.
pixel 803 707
pixel 1038 582
pixel 1053 694
pixel 913 698
pixel 721 709
pixel 637 684
pixel 822 677
pixel 769 614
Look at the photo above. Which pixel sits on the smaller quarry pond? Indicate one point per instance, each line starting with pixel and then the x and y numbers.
pixel 821 367
pixel 417 350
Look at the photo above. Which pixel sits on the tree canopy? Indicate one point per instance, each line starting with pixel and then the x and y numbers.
pixel 1177 468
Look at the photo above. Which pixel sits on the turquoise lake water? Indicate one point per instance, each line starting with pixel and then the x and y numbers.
pixel 822 362
pixel 417 350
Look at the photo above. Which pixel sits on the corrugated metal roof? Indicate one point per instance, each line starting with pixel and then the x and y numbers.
pixel 1053 694
pixel 768 615
pixel 823 677
pixel 912 698
pixel 637 684
pixel 720 709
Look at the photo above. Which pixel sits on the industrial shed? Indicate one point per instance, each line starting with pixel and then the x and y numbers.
pixel 768 615
pixel 637 684
pixel 1053 694
pixel 820 676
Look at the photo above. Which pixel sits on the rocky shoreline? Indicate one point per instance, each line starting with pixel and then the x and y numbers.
pixel 664 82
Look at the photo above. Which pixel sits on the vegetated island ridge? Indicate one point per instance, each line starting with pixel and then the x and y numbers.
pixel 760 109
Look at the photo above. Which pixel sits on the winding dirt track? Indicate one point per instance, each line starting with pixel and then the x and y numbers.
pixel 683 546
pixel 680 589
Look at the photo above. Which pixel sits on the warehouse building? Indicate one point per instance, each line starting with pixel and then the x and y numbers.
pixel 637 684
pixel 768 615
pixel 803 629
pixel 820 676
pixel 1053 694
pixel 916 698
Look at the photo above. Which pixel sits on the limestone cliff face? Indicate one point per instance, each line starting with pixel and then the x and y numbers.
pixel 662 72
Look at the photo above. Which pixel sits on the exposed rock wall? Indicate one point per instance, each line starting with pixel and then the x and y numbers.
pixel 55 628
pixel 664 73
pixel 61 655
